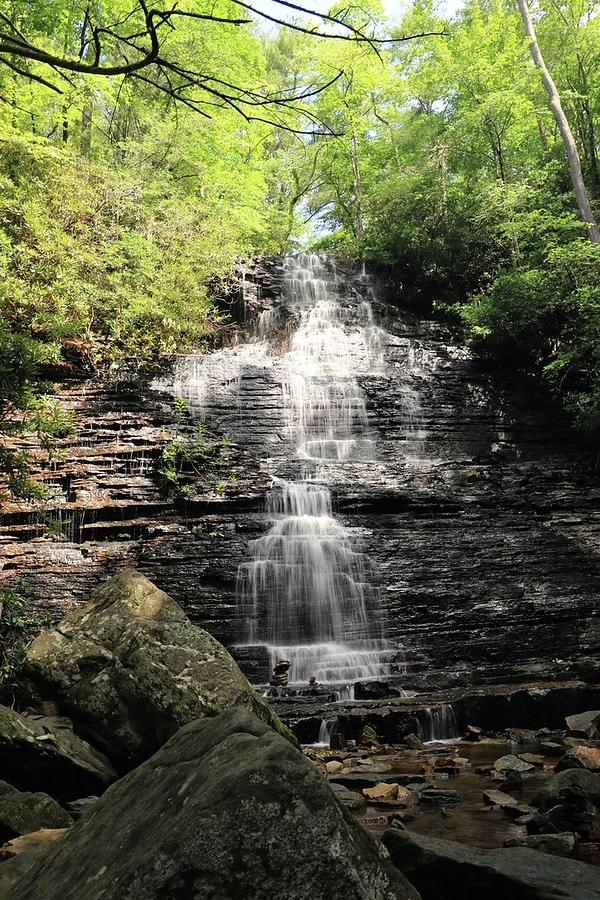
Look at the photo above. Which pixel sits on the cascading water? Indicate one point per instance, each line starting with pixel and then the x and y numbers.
pixel 306 592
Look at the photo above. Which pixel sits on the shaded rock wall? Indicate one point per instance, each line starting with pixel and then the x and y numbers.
pixel 482 513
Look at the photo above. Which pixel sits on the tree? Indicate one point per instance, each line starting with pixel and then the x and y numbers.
pixel 583 201
pixel 129 38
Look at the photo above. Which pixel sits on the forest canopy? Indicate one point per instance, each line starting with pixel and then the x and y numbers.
pixel 128 191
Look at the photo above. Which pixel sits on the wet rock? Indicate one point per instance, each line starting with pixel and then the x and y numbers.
pixel 497 798
pixel 36 753
pixel 337 741
pixel 551 793
pixel 445 870
pixel 439 797
pixel 588 668
pixel 412 742
pixel 368 736
pixel 510 781
pixel 22 812
pixel 572 812
pixel 473 733
pixel 585 725
pixel 580 758
pixel 562 844
pixel 551 748
pixel 20 854
pixel 533 759
pixel 374 690
pixel 359 780
pixel 80 807
pixel 389 793
pixel 131 668
pixel 510 763
pixel 382 792
pixel 350 799
pixel 274 829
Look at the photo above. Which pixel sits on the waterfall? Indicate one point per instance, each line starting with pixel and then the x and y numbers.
pixel 306 592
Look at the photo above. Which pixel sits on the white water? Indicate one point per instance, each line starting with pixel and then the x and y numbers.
pixel 306 590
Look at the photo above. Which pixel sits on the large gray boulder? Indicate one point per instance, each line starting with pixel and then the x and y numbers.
pixel 131 669
pixel 445 870
pixel 226 809
pixel 42 752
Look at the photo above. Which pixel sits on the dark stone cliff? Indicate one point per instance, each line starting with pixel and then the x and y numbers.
pixel 481 515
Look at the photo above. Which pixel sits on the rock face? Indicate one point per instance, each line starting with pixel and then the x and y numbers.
pixel 20 854
pixel 481 517
pixel 131 668
pixel 444 870
pixel 41 752
pixel 227 808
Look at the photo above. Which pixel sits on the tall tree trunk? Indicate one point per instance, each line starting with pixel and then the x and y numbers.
pixel 583 201
pixel 358 197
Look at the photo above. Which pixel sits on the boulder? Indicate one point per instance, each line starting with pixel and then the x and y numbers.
pixel 580 758
pixel 21 813
pixel 333 767
pixel 19 855
pixel 551 792
pixel 445 870
pixel 130 668
pixel 39 752
pixel 562 844
pixel 585 725
pixel 226 808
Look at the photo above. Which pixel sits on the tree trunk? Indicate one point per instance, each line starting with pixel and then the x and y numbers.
pixel 558 112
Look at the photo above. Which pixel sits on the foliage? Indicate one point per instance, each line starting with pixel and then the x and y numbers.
pixel 18 627
pixel 449 166
pixel 190 457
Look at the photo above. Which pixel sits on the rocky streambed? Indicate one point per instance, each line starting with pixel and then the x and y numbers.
pixel 147 767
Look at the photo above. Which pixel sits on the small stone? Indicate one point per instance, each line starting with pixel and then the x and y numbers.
pixel 413 742
pixel 461 761
pixel 473 733
pixel 333 767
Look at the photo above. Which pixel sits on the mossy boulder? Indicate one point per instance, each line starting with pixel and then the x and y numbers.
pixel 131 669
pixel 23 812
pixel 226 808
pixel 43 753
